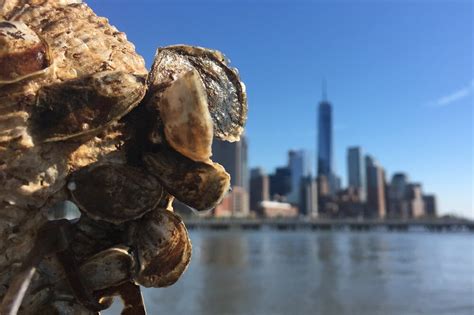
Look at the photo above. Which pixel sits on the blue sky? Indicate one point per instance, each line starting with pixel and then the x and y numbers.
pixel 399 74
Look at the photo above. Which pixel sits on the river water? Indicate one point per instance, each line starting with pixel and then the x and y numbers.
pixel 313 272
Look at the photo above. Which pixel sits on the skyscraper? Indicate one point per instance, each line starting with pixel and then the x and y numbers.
pixel 298 162
pixel 414 197
pixel 259 188
pixel 430 205
pixel 356 171
pixel 280 183
pixel 325 158
pixel 324 166
pixel 233 156
pixel 235 204
pixel 398 206
pixel 375 189
pixel 308 204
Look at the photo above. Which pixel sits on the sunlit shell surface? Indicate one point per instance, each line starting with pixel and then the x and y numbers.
pixel 33 175
pixel 186 119
pixel 80 119
pixel 22 52
pixel 226 95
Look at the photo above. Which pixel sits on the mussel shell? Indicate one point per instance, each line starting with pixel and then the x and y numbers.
pixel 22 52
pixel 115 193
pixel 162 246
pixel 199 185
pixel 226 95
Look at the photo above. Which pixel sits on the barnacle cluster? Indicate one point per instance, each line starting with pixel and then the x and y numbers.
pixel 81 119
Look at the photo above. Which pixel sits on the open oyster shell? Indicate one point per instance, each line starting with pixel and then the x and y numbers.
pixel 186 118
pixel 226 95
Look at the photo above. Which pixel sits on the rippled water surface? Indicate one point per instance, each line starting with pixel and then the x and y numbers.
pixel 307 272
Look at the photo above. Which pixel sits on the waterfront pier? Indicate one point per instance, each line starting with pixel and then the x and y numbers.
pixel 434 225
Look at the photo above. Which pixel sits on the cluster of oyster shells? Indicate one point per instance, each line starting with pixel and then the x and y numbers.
pixel 81 119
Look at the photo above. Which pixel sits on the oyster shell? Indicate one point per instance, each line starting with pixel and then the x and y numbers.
pixel 93 236
pixel 85 105
pixel 33 174
pixel 163 248
pixel 22 52
pixel 115 193
pixel 226 95
pixel 186 118
pixel 108 268
pixel 59 122
pixel 199 185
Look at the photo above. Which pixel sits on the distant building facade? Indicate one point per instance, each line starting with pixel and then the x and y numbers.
pixel 280 183
pixel 274 209
pixel 299 165
pixel 234 204
pixel 356 171
pixel 233 156
pixel 224 209
pixel 414 198
pixel 349 203
pixel 308 205
pixel 376 206
pixel 259 188
pixel 323 186
pixel 398 206
pixel 430 205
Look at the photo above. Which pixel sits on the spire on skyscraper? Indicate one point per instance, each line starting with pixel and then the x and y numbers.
pixel 324 90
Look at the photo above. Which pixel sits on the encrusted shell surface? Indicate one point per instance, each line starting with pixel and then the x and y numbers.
pixel 226 95
pixel 22 52
pixel 163 248
pixel 115 193
pixel 81 45
pixel 199 185
pixel 90 65
pixel 84 105
pixel 33 174
pixel 186 118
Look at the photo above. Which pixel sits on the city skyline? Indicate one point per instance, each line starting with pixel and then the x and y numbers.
pixel 399 77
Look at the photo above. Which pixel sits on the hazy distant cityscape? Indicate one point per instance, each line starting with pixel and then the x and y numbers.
pixel 292 191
